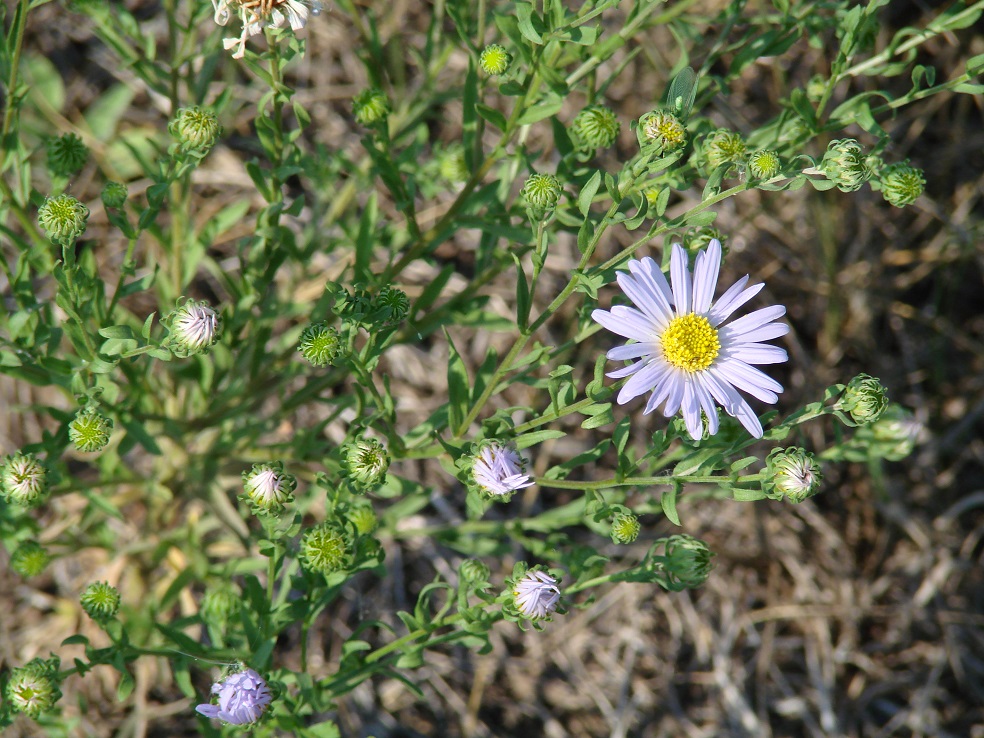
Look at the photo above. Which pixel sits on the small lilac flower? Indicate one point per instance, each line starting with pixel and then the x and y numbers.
pixel 243 698
pixel 500 470
pixel 537 594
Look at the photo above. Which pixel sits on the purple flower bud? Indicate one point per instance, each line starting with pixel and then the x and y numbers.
pixel 243 698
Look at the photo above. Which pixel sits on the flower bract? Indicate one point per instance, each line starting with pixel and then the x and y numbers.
pixel 243 698
pixel 684 350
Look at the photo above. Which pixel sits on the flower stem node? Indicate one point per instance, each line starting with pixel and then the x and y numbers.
pixel 23 480
pixel 67 155
pixel 864 399
pixel 845 164
pixel 595 127
pixel 194 328
pixel 243 698
pixel 101 601
pixel 662 129
pixel 114 195
pixel 625 528
pixel 324 549
pixel 764 164
pixel 724 147
pixel 494 60
pixel 268 488
pixel 498 470
pixel 89 431
pixel 364 463
pixel 688 562
pixel 791 473
pixel 901 184
pixel 33 688
pixel 29 559
pixel 320 344
pixel 197 129
pixel 63 219
pixel 682 347
pixel 542 193
pixel 370 106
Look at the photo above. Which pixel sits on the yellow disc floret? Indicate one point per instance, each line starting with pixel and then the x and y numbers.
pixel 690 342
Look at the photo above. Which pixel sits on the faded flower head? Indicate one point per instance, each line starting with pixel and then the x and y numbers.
pixel 364 463
pixel 114 194
pixel 625 528
pixel 536 594
pixel 268 488
pixel 196 129
pixel 29 559
pixel 33 688
pixel 370 106
pixel 494 60
pixel 324 549
pixel 864 399
pixel 499 470
pixel 595 127
pixel 66 155
pixel 63 219
pixel 664 129
pixel 764 164
pixel 363 517
pixel 255 15
pixel 101 601
pixel 194 328
pixel 542 192
pixel 684 351
pixel 320 344
pixel 901 184
pixel 23 480
pixel 89 431
pixel 791 473
pixel 845 164
pixel 687 562
pixel 452 164
pixel 220 604
pixel 894 435
pixel 724 147
pixel 243 698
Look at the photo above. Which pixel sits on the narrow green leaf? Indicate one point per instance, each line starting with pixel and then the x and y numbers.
pixel 588 191
pixel 458 395
pixel 668 501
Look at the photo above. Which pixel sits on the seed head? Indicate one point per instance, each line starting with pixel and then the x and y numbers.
pixel 364 463
pixel 542 192
pixel 625 528
pixel 29 559
pixel 220 605
pixel 494 60
pixel 688 562
pixel 724 147
pixel 764 164
pixel 33 688
pixel 393 305
pixel 473 570
pixel 370 106
pixel 63 219
pixel 67 155
pixel 595 127
pixel 89 431
pixel 101 601
pixel 196 129
pixel 901 184
pixel 663 129
pixel 320 344
pixel 114 195
pixel 845 164
pixel 324 549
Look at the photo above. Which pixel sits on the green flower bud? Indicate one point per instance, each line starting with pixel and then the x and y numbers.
pixel 23 480
pixel 791 473
pixel 220 605
pixel 357 307
pixel 67 155
pixel 324 549
pixel 687 562
pixel 542 192
pixel 724 147
pixel 663 129
pixel 363 517
pixel 268 488
pixel 452 165
pixel 393 305
pixel 196 129
pixel 101 601
pixel 698 239
pixel 33 688
pixel 89 431
pixel 29 559
pixel 764 164
pixel 845 164
pixel 894 435
pixel 370 106
pixel 595 127
pixel 473 570
pixel 864 399
pixel 320 344
pixel 63 219
pixel 625 528
pixel 194 328
pixel 901 184
pixel 494 60
pixel 114 195
pixel 364 463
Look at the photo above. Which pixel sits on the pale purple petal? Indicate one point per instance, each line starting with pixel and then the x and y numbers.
pixel 765 333
pixel 625 321
pixel 728 302
pixel 631 351
pixel 640 382
pixel 680 277
pixel 649 276
pixel 647 301
pixel 755 320
pixel 690 409
pixel 706 268
pixel 758 353
pixel 749 379
pixel 627 370
pixel 706 403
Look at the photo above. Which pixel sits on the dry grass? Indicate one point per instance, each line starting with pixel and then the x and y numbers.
pixel 860 613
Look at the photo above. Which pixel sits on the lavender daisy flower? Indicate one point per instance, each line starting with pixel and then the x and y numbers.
pixel 243 697
pixel 255 14
pixel 685 353
pixel 537 594
pixel 500 470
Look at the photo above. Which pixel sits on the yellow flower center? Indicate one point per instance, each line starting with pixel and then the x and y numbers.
pixel 690 342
